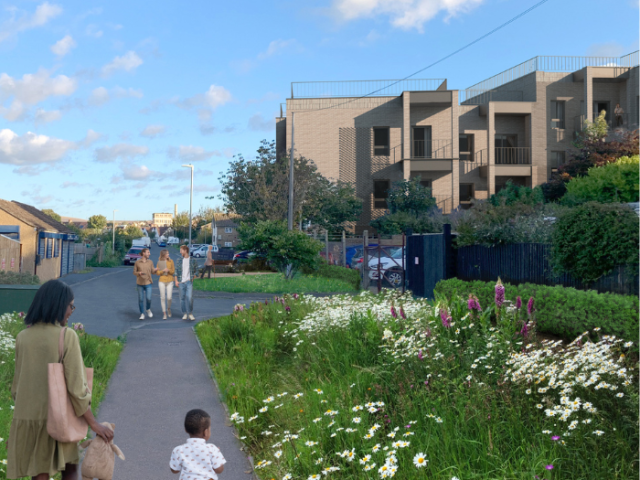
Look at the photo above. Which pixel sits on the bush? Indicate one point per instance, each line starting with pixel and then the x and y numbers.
pixel 613 182
pixel 563 311
pixel 398 223
pixel 334 271
pixel 512 194
pixel 590 240
pixel 14 278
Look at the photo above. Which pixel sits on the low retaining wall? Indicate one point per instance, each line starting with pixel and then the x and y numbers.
pixel 16 298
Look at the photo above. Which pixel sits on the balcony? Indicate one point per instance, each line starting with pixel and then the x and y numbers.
pixel 430 149
pixel 513 155
pixel 617 121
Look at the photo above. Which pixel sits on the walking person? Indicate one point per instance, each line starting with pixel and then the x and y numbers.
pixel 31 451
pixel 618 112
pixel 208 263
pixel 165 269
pixel 142 269
pixel 185 272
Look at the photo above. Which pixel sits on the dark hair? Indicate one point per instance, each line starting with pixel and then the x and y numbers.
pixel 196 421
pixel 50 303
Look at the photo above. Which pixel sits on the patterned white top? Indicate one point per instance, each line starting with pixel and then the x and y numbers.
pixel 196 460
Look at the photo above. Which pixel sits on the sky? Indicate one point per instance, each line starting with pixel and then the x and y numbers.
pixel 101 103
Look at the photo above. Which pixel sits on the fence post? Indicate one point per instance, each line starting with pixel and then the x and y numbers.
pixel 379 266
pixel 365 263
pixel 344 249
pixel 326 245
pixel 446 231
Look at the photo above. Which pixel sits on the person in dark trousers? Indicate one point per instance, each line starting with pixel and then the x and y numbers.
pixel 208 264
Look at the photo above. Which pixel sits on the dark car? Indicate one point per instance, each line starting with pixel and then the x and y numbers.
pixel 132 255
pixel 244 256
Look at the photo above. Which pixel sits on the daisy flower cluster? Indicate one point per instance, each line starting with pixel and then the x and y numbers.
pixel 569 382
pixel 7 341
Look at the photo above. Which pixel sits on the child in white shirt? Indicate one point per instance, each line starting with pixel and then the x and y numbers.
pixel 197 459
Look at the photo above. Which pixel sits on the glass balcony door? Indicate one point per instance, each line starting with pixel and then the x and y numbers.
pixel 421 142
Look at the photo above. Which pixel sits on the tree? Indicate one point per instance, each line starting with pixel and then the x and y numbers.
pixel 97 222
pixel 288 251
pixel 180 225
pixel 331 205
pixel 411 206
pixel 152 234
pixel 133 232
pixel 259 190
pixel 52 214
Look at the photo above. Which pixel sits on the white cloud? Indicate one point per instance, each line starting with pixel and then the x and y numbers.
pixel 100 96
pixel 120 92
pixel 46 116
pixel 199 189
pixel 36 87
pixel 276 46
pixel 127 62
pixel 68 184
pixel 404 14
pixel 216 96
pixel 30 148
pixel 63 46
pixel 19 23
pixel 258 123
pixel 91 138
pixel 136 172
pixel 120 150
pixel 93 31
pixel 153 131
pixel 189 153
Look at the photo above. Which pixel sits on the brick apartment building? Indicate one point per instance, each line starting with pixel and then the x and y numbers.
pixel 465 144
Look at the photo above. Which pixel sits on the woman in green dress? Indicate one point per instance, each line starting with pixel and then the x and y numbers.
pixel 31 451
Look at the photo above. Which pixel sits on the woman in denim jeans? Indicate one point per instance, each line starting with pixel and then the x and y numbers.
pixel 186 271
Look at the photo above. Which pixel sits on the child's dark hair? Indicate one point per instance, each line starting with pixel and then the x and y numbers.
pixel 197 421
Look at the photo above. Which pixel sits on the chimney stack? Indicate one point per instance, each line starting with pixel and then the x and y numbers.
pixel 175 210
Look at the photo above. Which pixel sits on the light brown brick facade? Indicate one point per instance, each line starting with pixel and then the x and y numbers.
pixel 510 123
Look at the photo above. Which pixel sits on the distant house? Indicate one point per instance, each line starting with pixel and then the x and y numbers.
pixel 227 226
pixel 46 245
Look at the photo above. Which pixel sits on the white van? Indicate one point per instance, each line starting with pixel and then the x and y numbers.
pixel 141 242
pixel 173 241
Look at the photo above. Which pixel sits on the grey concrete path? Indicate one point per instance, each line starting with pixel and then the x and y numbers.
pixel 161 375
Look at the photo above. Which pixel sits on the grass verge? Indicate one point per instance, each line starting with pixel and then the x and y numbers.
pixel 99 353
pixel 384 386
pixel 274 283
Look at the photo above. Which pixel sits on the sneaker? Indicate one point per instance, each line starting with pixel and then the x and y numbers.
pixel 169 313
pixel 142 316
pixel 149 313
pixel 164 317
pixel 184 317
pixel 191 317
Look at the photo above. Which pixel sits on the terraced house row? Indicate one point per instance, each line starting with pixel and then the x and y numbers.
pixel 464 144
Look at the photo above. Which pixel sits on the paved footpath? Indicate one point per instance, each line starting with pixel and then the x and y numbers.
pixel 161 373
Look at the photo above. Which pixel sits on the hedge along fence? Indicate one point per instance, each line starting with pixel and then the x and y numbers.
pixel 563 311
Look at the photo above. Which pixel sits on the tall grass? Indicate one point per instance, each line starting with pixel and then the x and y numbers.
pixel 99 353
pixel 274 283
pixel 448 391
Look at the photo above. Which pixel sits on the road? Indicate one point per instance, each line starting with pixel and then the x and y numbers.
pixel 106 301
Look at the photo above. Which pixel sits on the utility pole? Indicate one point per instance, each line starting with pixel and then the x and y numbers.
pixel 190 204
pixel 291 165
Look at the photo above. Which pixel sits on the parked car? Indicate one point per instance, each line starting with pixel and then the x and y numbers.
pixel 244 256
pixel 133 255
pixel 390 267
pixel 161 243
pixel 173 241
pixel 194 247
pixel 357 260
pixel 202 251
pixel 142 242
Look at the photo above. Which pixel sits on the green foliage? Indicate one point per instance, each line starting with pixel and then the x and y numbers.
pixel 287 251
pixel 512 194
pixel 180 225
pixel 332 204
pixel 52 214
pixel 275 283
pixel 398 223
pixel 14 278
pixel 489 225
pixel 588 241
pixel 562 311
pixel 611 183
pixel 593 131
pixel 133 232
pixel 410 196
pixel 325 270
pixel 97 222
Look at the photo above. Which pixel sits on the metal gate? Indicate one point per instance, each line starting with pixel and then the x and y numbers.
pixel 383 266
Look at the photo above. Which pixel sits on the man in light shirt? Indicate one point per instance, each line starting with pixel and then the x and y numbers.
pixel 186 270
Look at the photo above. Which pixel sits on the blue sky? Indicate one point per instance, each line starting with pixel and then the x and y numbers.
pixel 100 103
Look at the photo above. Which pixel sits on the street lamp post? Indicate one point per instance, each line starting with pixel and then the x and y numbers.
pixel 113 228
pixel 190 203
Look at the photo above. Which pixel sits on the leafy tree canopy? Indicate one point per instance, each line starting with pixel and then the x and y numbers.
pixel 409 196
pixel 52 214
pixel 97 222
pixel 512 194
pixel 133 232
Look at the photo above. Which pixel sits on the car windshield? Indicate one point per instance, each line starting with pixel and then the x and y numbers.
pixel 397 253
pixel 135 250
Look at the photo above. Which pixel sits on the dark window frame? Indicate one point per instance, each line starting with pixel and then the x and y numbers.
pixel 380 197
pixel 473 192
pixel 467 155
pixel 381 150
pixel 558 121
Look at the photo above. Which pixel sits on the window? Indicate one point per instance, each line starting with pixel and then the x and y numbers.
pixel 49 246
pixel 421 142
pixel 425 183
pixel 56 248
pixel 557 114
pixel 381 141
pixel 228 244
pixel 505 149
pixel 465 145
pixel 219 237
pixel 380 193
pixel 466 192
pixel 228 230
pixel 557 159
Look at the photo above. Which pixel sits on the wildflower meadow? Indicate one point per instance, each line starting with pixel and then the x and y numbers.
pixel 383 386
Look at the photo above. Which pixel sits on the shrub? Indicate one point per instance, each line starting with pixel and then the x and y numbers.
pixel 398 223
pixel 588 241
pixel 15 278
pixel 613 182
pixel 563 311
pixel 512 194
pixel 334 271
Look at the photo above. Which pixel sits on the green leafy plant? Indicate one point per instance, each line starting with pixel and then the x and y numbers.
pixel 588 241
pixel 562 311
pixel 14 278
pixel 334 271
pixel 517 194
pixel 286 250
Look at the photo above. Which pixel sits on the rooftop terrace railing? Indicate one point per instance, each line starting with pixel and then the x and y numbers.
pixel 551 64
pixel 361 88
pixel 480 97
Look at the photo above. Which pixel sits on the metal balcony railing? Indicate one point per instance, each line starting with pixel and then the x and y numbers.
pixel 550 64
pixel 361 88
pixel 623 120
pixel 444 203
pixel 479 97
pixel 431 149
pixel 513 155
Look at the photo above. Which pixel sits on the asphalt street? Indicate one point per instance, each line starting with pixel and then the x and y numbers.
pixel 161 374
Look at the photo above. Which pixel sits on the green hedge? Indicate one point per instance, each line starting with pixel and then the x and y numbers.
pixel 563 311
pixel 334 271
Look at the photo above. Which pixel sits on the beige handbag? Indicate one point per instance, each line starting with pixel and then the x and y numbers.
pixel 62 423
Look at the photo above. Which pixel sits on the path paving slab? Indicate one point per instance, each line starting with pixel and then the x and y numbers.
pixel 161 375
